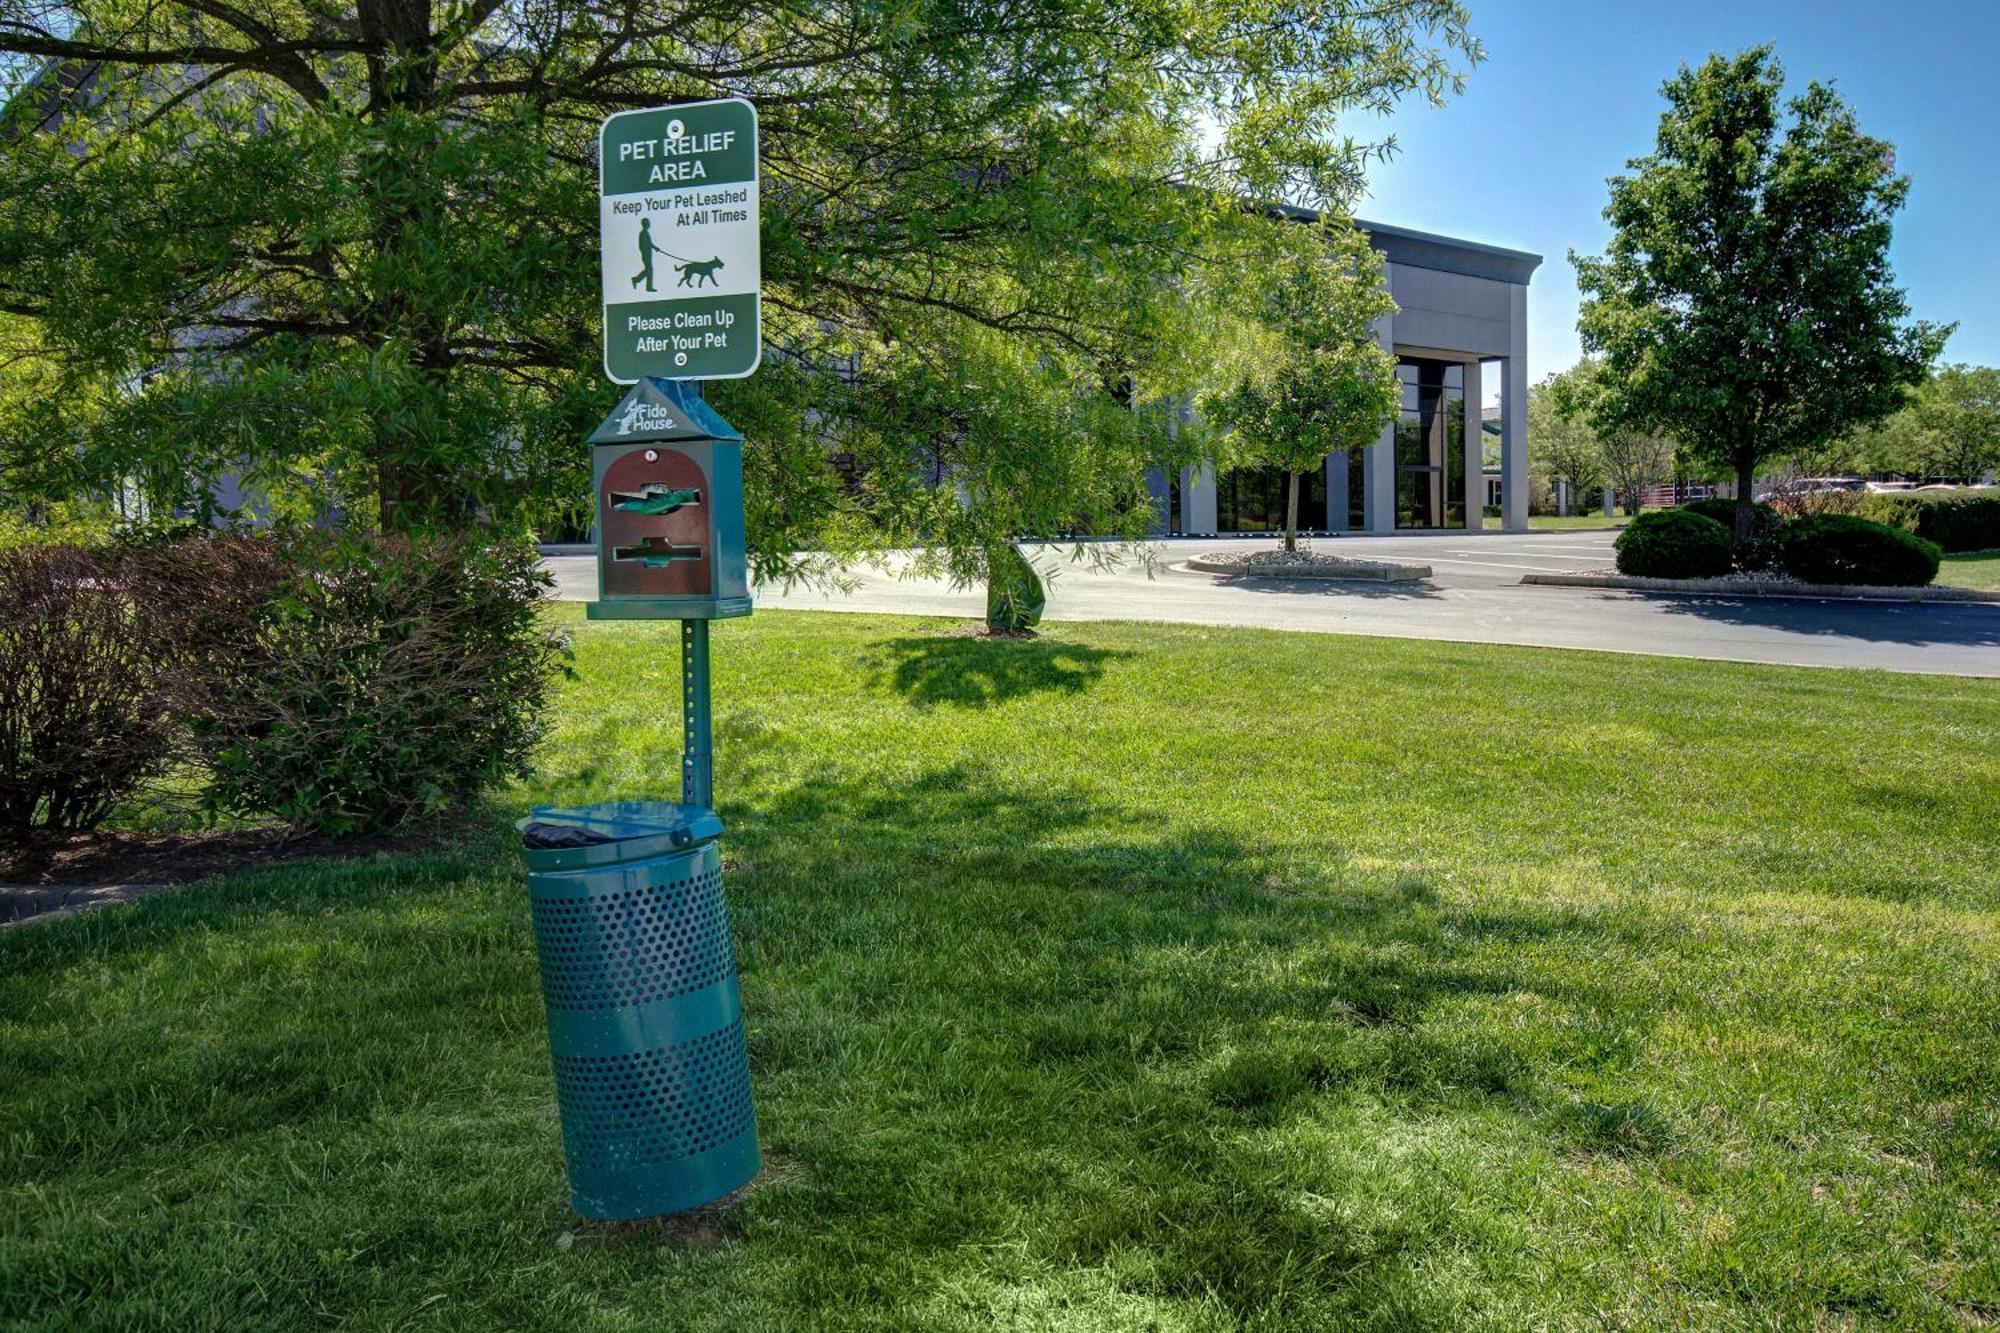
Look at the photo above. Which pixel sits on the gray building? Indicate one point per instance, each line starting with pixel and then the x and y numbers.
pixel 1461 316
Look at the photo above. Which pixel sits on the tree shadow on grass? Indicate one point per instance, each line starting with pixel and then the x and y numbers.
pixel 994 998
pixel 969 671
pixel 975 1011
pixel 957 846
pixel 290 994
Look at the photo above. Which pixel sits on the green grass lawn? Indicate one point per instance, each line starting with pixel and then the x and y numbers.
pixel 1972 571
pixel 1131 978
pixel 1571 522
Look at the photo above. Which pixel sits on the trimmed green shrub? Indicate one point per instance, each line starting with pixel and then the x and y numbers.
pixel 83 720
pixel 1675 544
pixel 1762 552
pixel 1959 520
pixel 353 684
pixel 1839 548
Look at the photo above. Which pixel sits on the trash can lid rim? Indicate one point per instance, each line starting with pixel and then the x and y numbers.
pixel 620 821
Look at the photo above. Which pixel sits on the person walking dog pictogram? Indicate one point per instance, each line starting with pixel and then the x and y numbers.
pixel 646 252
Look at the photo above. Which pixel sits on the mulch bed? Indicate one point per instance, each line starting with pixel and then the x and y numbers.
pixel 983 632
pixel 62 875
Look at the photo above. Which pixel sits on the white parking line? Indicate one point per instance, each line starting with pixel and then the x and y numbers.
pixel 1562 550
pixel 1490 564
pixel 1539 555
pixel 1573 557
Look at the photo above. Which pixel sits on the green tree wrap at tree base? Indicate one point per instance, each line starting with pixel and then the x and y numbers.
pixel 1014 593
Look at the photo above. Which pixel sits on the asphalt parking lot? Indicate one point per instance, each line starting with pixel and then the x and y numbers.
pixel 1474 595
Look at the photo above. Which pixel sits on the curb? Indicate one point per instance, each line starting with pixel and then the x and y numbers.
pixel 1334 568
pixel 1557 532
pixel 1724 587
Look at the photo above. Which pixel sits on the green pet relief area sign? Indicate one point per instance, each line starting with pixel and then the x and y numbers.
pixel 677 200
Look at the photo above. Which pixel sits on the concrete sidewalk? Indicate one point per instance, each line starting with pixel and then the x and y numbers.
pixel 1474 596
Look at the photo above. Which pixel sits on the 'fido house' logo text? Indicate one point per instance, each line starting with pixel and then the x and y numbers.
pixel 646 416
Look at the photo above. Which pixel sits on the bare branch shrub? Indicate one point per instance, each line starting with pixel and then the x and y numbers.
pixel 84 723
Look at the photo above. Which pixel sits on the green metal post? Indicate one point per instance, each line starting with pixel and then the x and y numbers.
pixel 697 736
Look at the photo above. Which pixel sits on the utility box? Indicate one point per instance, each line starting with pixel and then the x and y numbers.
pixel 668 475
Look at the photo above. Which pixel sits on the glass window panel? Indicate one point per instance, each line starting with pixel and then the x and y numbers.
pixel 1253 499
pixel 1419 495
pixel 1410 448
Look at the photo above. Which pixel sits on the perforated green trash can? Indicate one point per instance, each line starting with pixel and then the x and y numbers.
pixel 645 1022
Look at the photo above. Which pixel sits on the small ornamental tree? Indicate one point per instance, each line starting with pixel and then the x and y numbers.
pixel 1327 385
pixel 1745 307
pixel 1562 445
pixel 1635 460
pixel 1577 409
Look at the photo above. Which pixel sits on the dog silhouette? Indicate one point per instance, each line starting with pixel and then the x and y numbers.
pixel 696 270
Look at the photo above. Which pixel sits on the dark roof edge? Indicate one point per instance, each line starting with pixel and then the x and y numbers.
pixel 1447 254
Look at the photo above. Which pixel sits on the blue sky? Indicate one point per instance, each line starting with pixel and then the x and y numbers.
pixel 1570 90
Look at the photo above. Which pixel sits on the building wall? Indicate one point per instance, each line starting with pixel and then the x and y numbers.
pixel 1468 317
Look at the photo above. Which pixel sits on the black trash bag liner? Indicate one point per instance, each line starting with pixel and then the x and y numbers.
pixel 560 837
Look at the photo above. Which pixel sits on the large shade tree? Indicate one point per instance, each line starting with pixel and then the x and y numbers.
pixel 1745 306
pixel 347 246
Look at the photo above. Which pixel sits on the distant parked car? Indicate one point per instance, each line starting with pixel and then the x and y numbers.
pixel 1816 495
pixel 1880 487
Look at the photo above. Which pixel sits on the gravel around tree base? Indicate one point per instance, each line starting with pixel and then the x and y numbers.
pixel 1307 563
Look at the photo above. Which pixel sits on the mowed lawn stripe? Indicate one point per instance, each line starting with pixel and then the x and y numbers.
pixel 1131 977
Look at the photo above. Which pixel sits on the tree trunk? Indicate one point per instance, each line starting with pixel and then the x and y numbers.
pixel 1015 597
pixel 1291 511
pixel 393 494
pixel 402 77
pixel 1746 516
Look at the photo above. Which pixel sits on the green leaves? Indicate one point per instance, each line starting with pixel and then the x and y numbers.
pixel 1950 427
pixel 1326 385
pixel 351 684
pixel 1745 306
pixel 351 249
